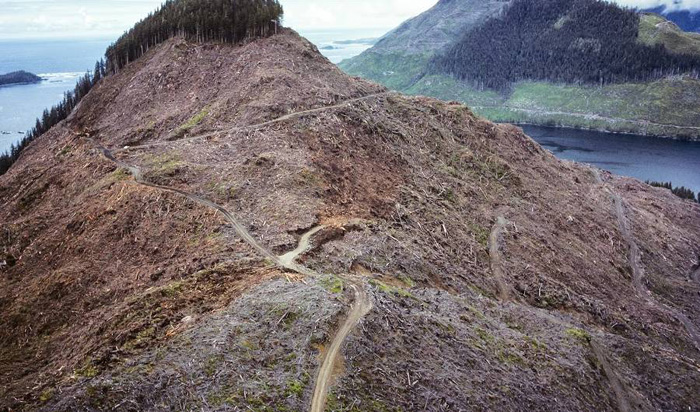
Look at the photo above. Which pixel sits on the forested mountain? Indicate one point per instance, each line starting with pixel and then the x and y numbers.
pixel 688 20
pixel 18 77
pixel 225 21
pixel 574 63
pixel 572 41
pixel 399 57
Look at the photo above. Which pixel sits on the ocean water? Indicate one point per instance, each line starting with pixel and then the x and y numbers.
pixel 61 63
pixel 338 45
pixel 642 157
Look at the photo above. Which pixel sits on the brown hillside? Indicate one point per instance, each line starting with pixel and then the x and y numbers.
pixel 455 265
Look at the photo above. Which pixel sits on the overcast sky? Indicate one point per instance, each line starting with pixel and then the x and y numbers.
pixel 107 18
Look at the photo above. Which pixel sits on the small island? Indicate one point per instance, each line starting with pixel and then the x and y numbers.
pixel 20 77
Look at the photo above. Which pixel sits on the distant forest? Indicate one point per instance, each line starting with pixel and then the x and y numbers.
pixel 226 21
pixel 682 191
pixel 572 41
pixel 18 77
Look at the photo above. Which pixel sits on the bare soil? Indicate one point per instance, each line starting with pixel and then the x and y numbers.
pixel 151 278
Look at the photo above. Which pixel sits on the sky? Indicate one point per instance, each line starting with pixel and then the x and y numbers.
pixel 21 19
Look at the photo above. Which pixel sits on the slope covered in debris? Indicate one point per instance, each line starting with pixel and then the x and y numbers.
pixel 225 227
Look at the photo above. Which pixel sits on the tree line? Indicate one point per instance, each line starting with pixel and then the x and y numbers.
pixel 226 21
pixel 51 117
pixel 682 192
pixel 572 41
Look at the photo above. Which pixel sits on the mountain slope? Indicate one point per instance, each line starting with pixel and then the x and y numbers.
pixel 577 47
pixel 398 58
pixel 564 41
pixel 195 234
pixel 655 29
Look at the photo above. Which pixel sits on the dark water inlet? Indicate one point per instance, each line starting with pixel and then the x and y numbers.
pixel 641 157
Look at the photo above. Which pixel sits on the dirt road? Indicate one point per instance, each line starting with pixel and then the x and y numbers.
pixel 259 125
pixel 359 310
pixel 288 259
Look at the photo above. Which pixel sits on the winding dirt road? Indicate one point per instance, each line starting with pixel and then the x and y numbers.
pixel 288 259
pixel 360 308
pixel 238 227
pixel 259 125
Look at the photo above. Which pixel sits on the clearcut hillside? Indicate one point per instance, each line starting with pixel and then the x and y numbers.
pixel 245 227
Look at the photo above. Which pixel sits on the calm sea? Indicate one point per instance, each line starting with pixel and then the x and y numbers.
pixel 60 63
pixel 645 158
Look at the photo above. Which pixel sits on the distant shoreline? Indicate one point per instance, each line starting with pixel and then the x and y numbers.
pixel 19 78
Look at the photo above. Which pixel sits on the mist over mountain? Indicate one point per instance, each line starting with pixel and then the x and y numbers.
pixel 688 20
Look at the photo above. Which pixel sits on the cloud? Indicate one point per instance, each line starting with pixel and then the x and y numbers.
pixel 70 18
pixel 669 4
pixel 357 14
pixel 109 18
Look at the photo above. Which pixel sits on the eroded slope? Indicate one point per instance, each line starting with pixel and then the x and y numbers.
pixel 498 276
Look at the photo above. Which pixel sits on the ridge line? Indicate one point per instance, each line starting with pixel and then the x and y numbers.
pixel 258 125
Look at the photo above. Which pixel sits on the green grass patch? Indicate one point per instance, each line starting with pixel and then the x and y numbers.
pixel 194 121
pixel 390 290
pixel 87 370
pixel 295 388
pixel 46 395
pixel 579 334
pixel 333 284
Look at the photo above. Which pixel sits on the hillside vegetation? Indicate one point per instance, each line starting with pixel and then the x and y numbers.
pixel 665 107
pixel 574 63
pixel 399 58
pixel 655 30
pixel 572 41
pixel 229 21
